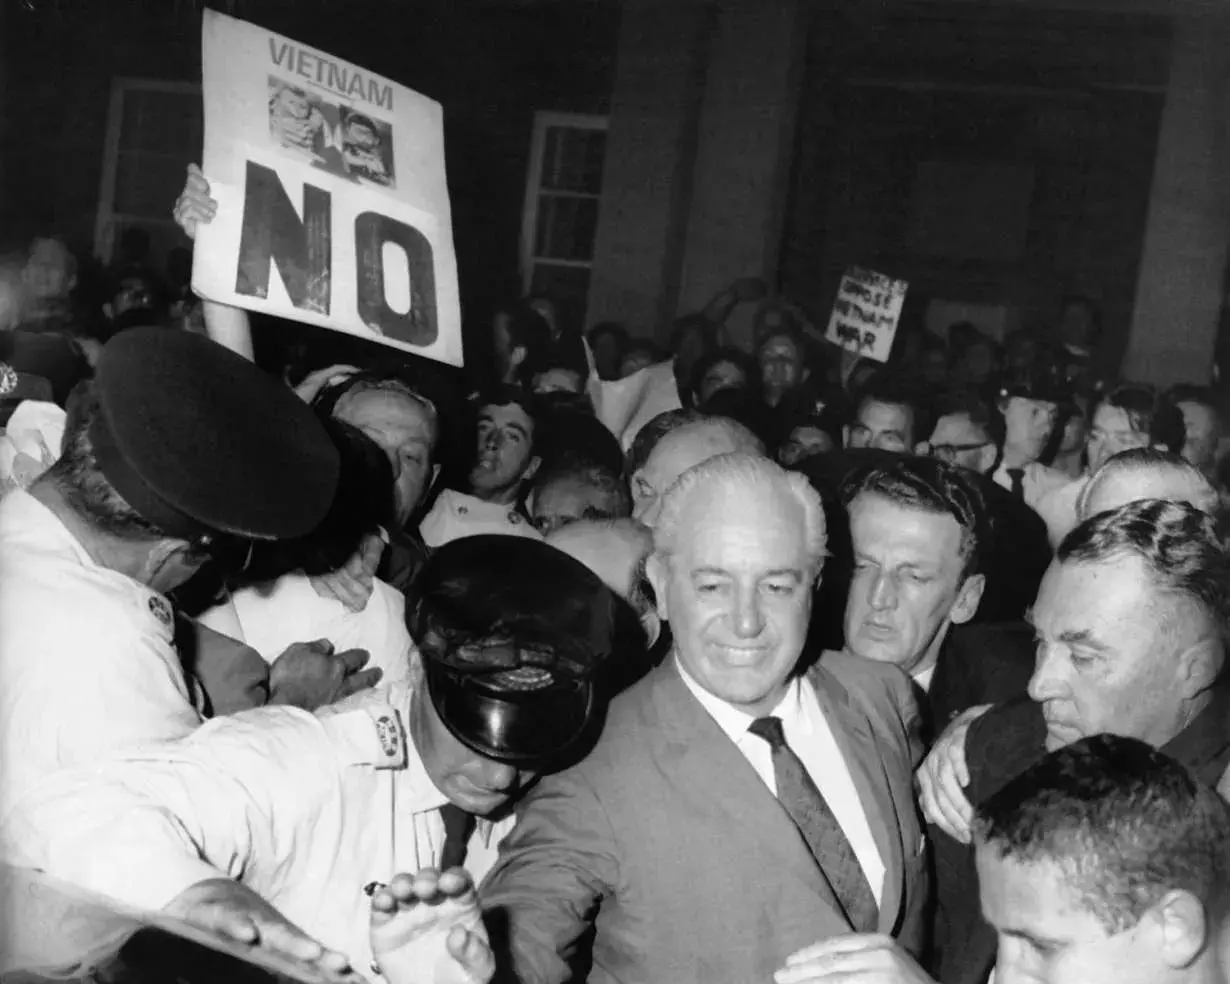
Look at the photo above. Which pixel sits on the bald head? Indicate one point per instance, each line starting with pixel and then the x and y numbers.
pixel 1145 473
pixel 680 450
pixel 615 550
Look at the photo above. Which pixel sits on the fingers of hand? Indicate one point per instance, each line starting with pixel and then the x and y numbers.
pixel 456 882
pixel 353 660
pixel 471 951
pixel 360 681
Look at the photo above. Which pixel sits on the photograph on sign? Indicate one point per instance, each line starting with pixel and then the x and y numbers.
pixel 865 313
pixel 333 204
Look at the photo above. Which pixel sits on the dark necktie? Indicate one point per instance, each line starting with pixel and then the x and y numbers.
pixel 458 826
pixel 1017 477
pixel 811 813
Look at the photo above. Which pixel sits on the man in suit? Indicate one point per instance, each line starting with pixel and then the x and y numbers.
pixel 917 528
pixel 688 838
pixel 1131 621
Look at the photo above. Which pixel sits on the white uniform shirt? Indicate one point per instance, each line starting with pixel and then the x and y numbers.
pixel 810 738
pixel 456 514
pixel 271 617
pixel 304 809
pixel 87 664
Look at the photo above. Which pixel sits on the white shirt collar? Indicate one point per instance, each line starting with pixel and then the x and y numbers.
pixel 923 677
pixel 735 722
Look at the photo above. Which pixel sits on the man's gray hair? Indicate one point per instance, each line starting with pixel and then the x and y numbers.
pixel 1204 496
pixel 757 474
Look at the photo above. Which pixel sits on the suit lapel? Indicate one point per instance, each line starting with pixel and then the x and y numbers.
pixel 709 769
pixel 854 737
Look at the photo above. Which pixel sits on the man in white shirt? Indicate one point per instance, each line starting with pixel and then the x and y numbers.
pixel 916 527
pixel 505 462
pixel 161 469
pixel 733 811
pixel 309 811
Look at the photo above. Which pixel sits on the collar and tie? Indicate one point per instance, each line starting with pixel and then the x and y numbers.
pixel 813 816
pixel 1017 477
pixel 458 826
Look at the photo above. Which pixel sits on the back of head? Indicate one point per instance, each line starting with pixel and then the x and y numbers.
pixel 745 408
pixel 1122 824
pixel 760 481
pixel 1178 544
pixel 653 431
pixel 1145 473
pixel 571 484
pixel 569 435
pixel 614 549
pixel 933 486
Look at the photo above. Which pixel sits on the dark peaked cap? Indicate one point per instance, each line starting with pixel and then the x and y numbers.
pixel 198 440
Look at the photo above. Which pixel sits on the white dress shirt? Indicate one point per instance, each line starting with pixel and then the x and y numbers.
pixel 810 738
pixel 304 809
pixel 456 514
pixel 87 662
pixel 271 617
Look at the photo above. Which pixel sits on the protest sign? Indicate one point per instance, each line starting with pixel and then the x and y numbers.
pixel 332 201
pixel 866 313
pixel 626 405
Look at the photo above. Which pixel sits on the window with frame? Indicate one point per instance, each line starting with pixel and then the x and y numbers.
pixel 154 128
pixel 560 221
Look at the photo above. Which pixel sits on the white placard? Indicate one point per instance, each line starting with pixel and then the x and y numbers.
pixel 626 405
pixel 866 312
pixel 333 205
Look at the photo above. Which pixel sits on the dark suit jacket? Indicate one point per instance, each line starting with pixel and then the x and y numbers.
pixel 1000 745
pixel 1015 558
pixel 979 664
pixel 668 840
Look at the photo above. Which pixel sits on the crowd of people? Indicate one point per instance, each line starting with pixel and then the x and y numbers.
pixel 837 671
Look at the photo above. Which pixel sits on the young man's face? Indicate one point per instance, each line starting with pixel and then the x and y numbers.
pixel 884 426
pixel 1046 936
pixel 505 449
pixel 1113 431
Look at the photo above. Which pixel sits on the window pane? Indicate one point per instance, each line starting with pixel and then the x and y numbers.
pixel 572 159
pixel 566 228
pixel 147 184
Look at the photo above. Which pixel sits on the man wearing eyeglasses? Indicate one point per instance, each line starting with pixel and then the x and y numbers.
pixel 970 433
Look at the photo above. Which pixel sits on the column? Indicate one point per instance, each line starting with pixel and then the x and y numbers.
pixel 1183 260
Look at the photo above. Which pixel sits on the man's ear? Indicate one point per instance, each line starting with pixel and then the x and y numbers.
pixel 1177 928
pixel 845 437
pixel 1200 664
pixel 517 356
pixel 164 553
pixel 986 459
pixel 968 597
pixel 805 375
pixel 108 310
pixel 657 574
pixel 531 468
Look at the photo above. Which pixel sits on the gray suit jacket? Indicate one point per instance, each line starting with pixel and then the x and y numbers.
pixel 668 841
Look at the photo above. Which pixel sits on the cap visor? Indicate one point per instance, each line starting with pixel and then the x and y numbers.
pixel 524 729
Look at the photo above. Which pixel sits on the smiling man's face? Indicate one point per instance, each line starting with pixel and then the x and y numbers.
pixel 737 592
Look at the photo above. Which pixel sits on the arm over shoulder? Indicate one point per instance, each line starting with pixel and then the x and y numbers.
pixel 555 867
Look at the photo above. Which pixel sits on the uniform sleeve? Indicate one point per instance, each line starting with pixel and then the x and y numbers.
pixel 555 867
pixel 144 827
pixel 110 692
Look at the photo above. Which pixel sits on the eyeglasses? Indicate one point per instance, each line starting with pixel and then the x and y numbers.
pixel 949 452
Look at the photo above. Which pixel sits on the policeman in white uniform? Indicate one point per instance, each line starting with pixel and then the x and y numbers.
pixel 311 810
pixel 162 468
